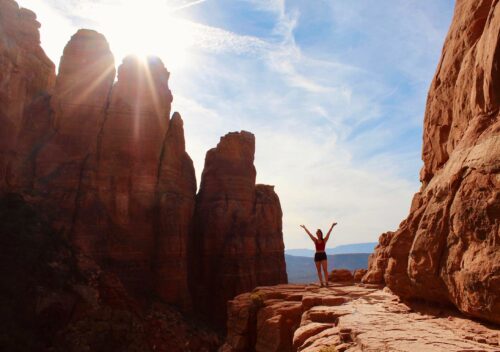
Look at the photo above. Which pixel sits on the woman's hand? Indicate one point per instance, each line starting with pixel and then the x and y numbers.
pixel 334 224
pixel 303 226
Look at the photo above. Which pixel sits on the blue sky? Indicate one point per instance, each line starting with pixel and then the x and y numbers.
pixel 333 90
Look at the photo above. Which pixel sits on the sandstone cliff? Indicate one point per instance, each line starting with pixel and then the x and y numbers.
pixel 52 298
pixel 448 249
pixel 92 153
pixel 238 241
pixel 26 74
pixel 105 163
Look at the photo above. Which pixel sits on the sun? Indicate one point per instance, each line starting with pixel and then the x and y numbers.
pixel 144 28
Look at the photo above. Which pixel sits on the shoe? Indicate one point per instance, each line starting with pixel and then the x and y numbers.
pixel 322 285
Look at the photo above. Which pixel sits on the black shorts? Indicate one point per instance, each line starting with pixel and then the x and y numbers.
pixel 319 256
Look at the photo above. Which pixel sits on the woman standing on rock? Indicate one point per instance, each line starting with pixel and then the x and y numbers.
pixel 320 257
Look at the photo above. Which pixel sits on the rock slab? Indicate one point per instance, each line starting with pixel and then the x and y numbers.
pixel 309 318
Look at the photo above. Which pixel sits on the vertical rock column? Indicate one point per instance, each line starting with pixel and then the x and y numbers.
pixel 119 196
pixel 237 229
pixel 57 161
pixel 176 201
pixel 26 73
pixel 270 267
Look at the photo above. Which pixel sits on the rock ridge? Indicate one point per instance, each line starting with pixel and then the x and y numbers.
pixel 448 249
pixel 107 164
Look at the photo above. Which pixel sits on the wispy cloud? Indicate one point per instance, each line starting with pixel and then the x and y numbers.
pixel 334 92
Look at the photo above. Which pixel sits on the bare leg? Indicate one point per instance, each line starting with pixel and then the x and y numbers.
pixel 318 268
pixel 324 264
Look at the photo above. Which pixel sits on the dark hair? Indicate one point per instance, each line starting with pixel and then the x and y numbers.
pixel 320 232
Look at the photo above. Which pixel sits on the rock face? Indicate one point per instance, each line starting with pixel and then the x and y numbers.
pixel 53 149
pixel 306 318
pixel 115 218
pixel 176 191
pixel 106 164
pixel 54 299
pixel 448 249
pixel 238 241
pixel 25 74
pixel 100 157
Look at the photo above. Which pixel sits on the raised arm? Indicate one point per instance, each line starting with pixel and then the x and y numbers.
pixel 307 231
pixel 330 231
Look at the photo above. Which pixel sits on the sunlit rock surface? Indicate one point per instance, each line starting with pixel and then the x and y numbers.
pixel 115 220
pixel 308 318
pixel 448 249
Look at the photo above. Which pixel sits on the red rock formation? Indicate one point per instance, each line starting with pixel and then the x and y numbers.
pixel 306 318
pixel 109 167
pixel 448 249
pixel 25 74
pixel 99 157
pixel 176 192
pixel 270 267
pixel 341 275
pixel 238 242
pixel 51 160
pixel 377 261
pixel 115 215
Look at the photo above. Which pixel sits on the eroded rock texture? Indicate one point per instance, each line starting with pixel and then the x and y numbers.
pixel 448 249
pixel 176 192
pixel 100 158
pixel 26 74
pixel 103 162
pixel 238 241
pixel 115 215
pixel 54 299
pixel 342 317
pixel 53 148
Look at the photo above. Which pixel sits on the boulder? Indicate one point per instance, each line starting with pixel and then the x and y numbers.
pixel 341 275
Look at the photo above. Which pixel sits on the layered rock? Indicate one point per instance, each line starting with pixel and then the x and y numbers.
pixel 448 249
pixel 97 156
pixel 307 318
pixel 176 190
pixel 52 153
pixel 25 75
pixel 116 207
pixel 238 241
pixel 106 164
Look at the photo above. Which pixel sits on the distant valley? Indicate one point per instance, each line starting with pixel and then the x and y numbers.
pixel 343 249
pixel 303 269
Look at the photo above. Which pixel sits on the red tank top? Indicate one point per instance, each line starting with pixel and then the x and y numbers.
pixel 320 246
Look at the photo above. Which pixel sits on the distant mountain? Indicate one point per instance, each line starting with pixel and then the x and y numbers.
pixel 343 249
pixel 301 252
pixel 353 248
pixel 303 269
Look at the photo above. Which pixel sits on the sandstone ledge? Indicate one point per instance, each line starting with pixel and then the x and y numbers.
pixel 308 318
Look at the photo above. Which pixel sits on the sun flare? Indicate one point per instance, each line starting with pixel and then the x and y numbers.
pixel 144 28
